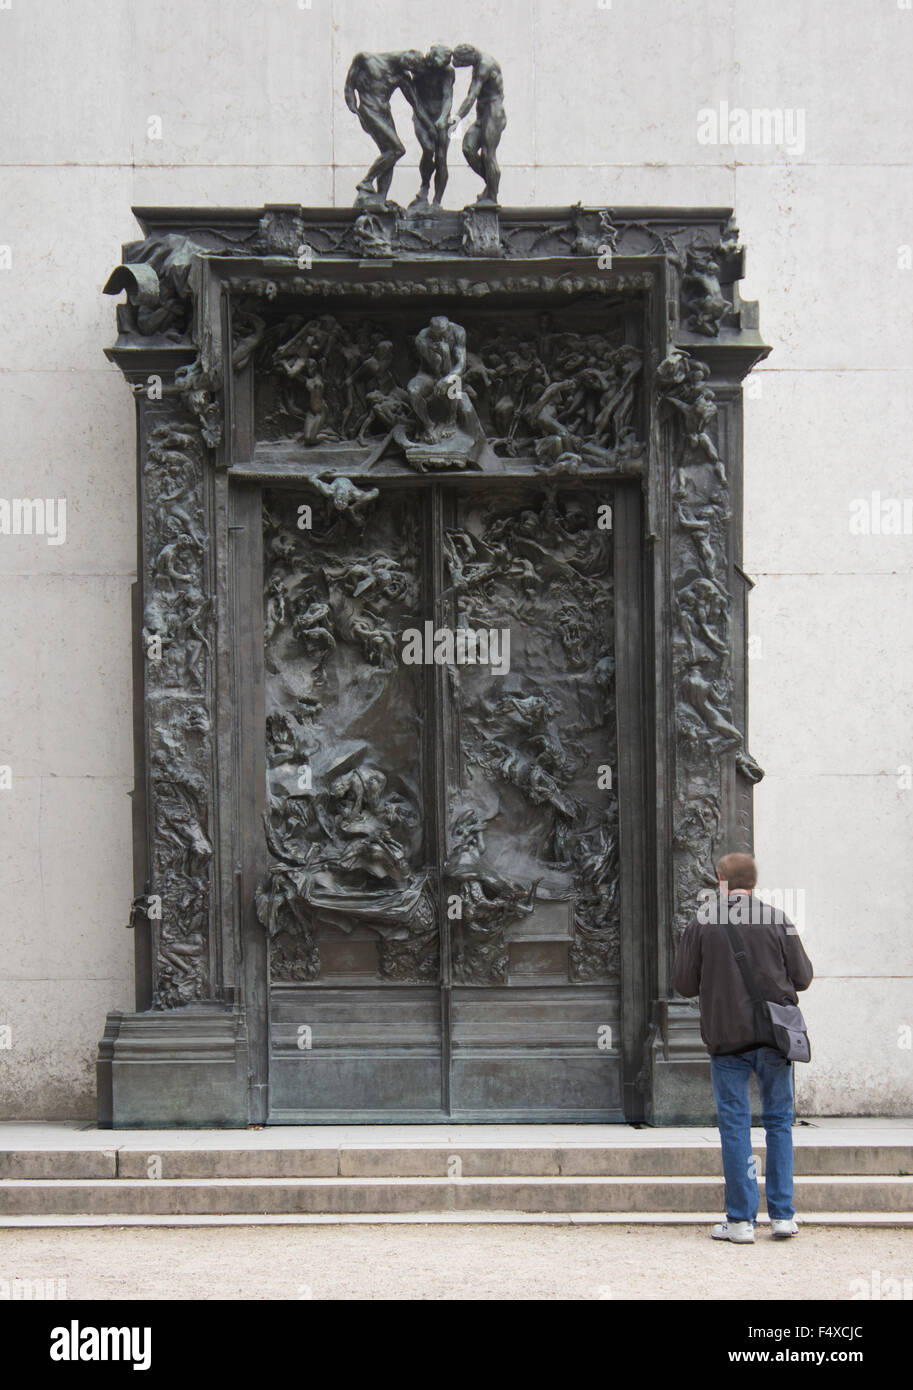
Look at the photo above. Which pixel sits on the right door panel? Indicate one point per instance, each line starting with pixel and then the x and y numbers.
pixel 532 871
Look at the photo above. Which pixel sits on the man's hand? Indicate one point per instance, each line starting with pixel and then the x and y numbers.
pixel 443 384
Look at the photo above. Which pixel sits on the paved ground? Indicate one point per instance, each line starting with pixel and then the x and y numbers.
pixel 455 1262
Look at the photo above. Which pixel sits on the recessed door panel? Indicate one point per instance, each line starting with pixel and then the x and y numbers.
pixel 442 901
pixel 533 862
pixel 350 901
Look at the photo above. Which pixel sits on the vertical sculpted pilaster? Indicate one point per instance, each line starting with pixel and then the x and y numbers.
pixel 178 664
pixel 701 606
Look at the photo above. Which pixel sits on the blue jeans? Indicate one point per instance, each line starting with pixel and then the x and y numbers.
pixel 731 1077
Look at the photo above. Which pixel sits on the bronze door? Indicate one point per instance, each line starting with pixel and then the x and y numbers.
pixel 444 898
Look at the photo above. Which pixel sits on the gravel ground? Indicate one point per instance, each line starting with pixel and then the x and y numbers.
pixel 455 1262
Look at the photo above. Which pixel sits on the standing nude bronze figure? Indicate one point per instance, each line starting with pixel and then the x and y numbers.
pixel 480 143
pixel 432 87
pixel 370 83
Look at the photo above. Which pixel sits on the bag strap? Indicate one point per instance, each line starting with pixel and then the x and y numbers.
pixel 742 961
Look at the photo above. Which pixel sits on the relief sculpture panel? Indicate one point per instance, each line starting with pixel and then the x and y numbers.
pixel 533 810
pixel 348 884
pixel 526 750
pixel 701 638
pixel 527 865
pixel 439 395
pixel 177 652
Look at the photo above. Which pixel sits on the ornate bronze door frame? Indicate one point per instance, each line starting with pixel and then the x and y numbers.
pixel 294 351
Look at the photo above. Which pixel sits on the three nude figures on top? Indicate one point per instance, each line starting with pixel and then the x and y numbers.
pixel 426 81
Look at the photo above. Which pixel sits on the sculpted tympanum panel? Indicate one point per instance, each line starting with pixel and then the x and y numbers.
pixel 561 388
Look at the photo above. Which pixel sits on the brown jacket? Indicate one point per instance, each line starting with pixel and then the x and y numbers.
pixel 705 965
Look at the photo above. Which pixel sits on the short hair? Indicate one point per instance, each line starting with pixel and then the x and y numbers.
pixel 738 870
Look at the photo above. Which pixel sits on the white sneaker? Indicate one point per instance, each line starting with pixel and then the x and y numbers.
pixel 739 1232
pixel 784 1228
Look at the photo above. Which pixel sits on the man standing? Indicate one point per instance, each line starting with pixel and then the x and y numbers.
pixel 370 83
pixel 705 965
pixel 480 143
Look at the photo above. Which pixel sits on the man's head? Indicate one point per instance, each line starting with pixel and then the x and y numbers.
pixel 464 55
pixel 738 871
pixel 409 60
pixel 439 55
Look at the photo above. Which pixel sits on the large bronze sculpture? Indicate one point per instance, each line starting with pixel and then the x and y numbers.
pixel 440 643
pixel 427 84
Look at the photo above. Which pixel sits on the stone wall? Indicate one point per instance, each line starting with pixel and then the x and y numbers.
pixel 111 104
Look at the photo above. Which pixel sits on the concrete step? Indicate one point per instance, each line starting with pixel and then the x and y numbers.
pixel 293 1195
pixel 179 1160
pixel 58 1163
pixel 873 1219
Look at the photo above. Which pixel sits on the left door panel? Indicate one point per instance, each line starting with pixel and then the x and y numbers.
pixel 350 903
